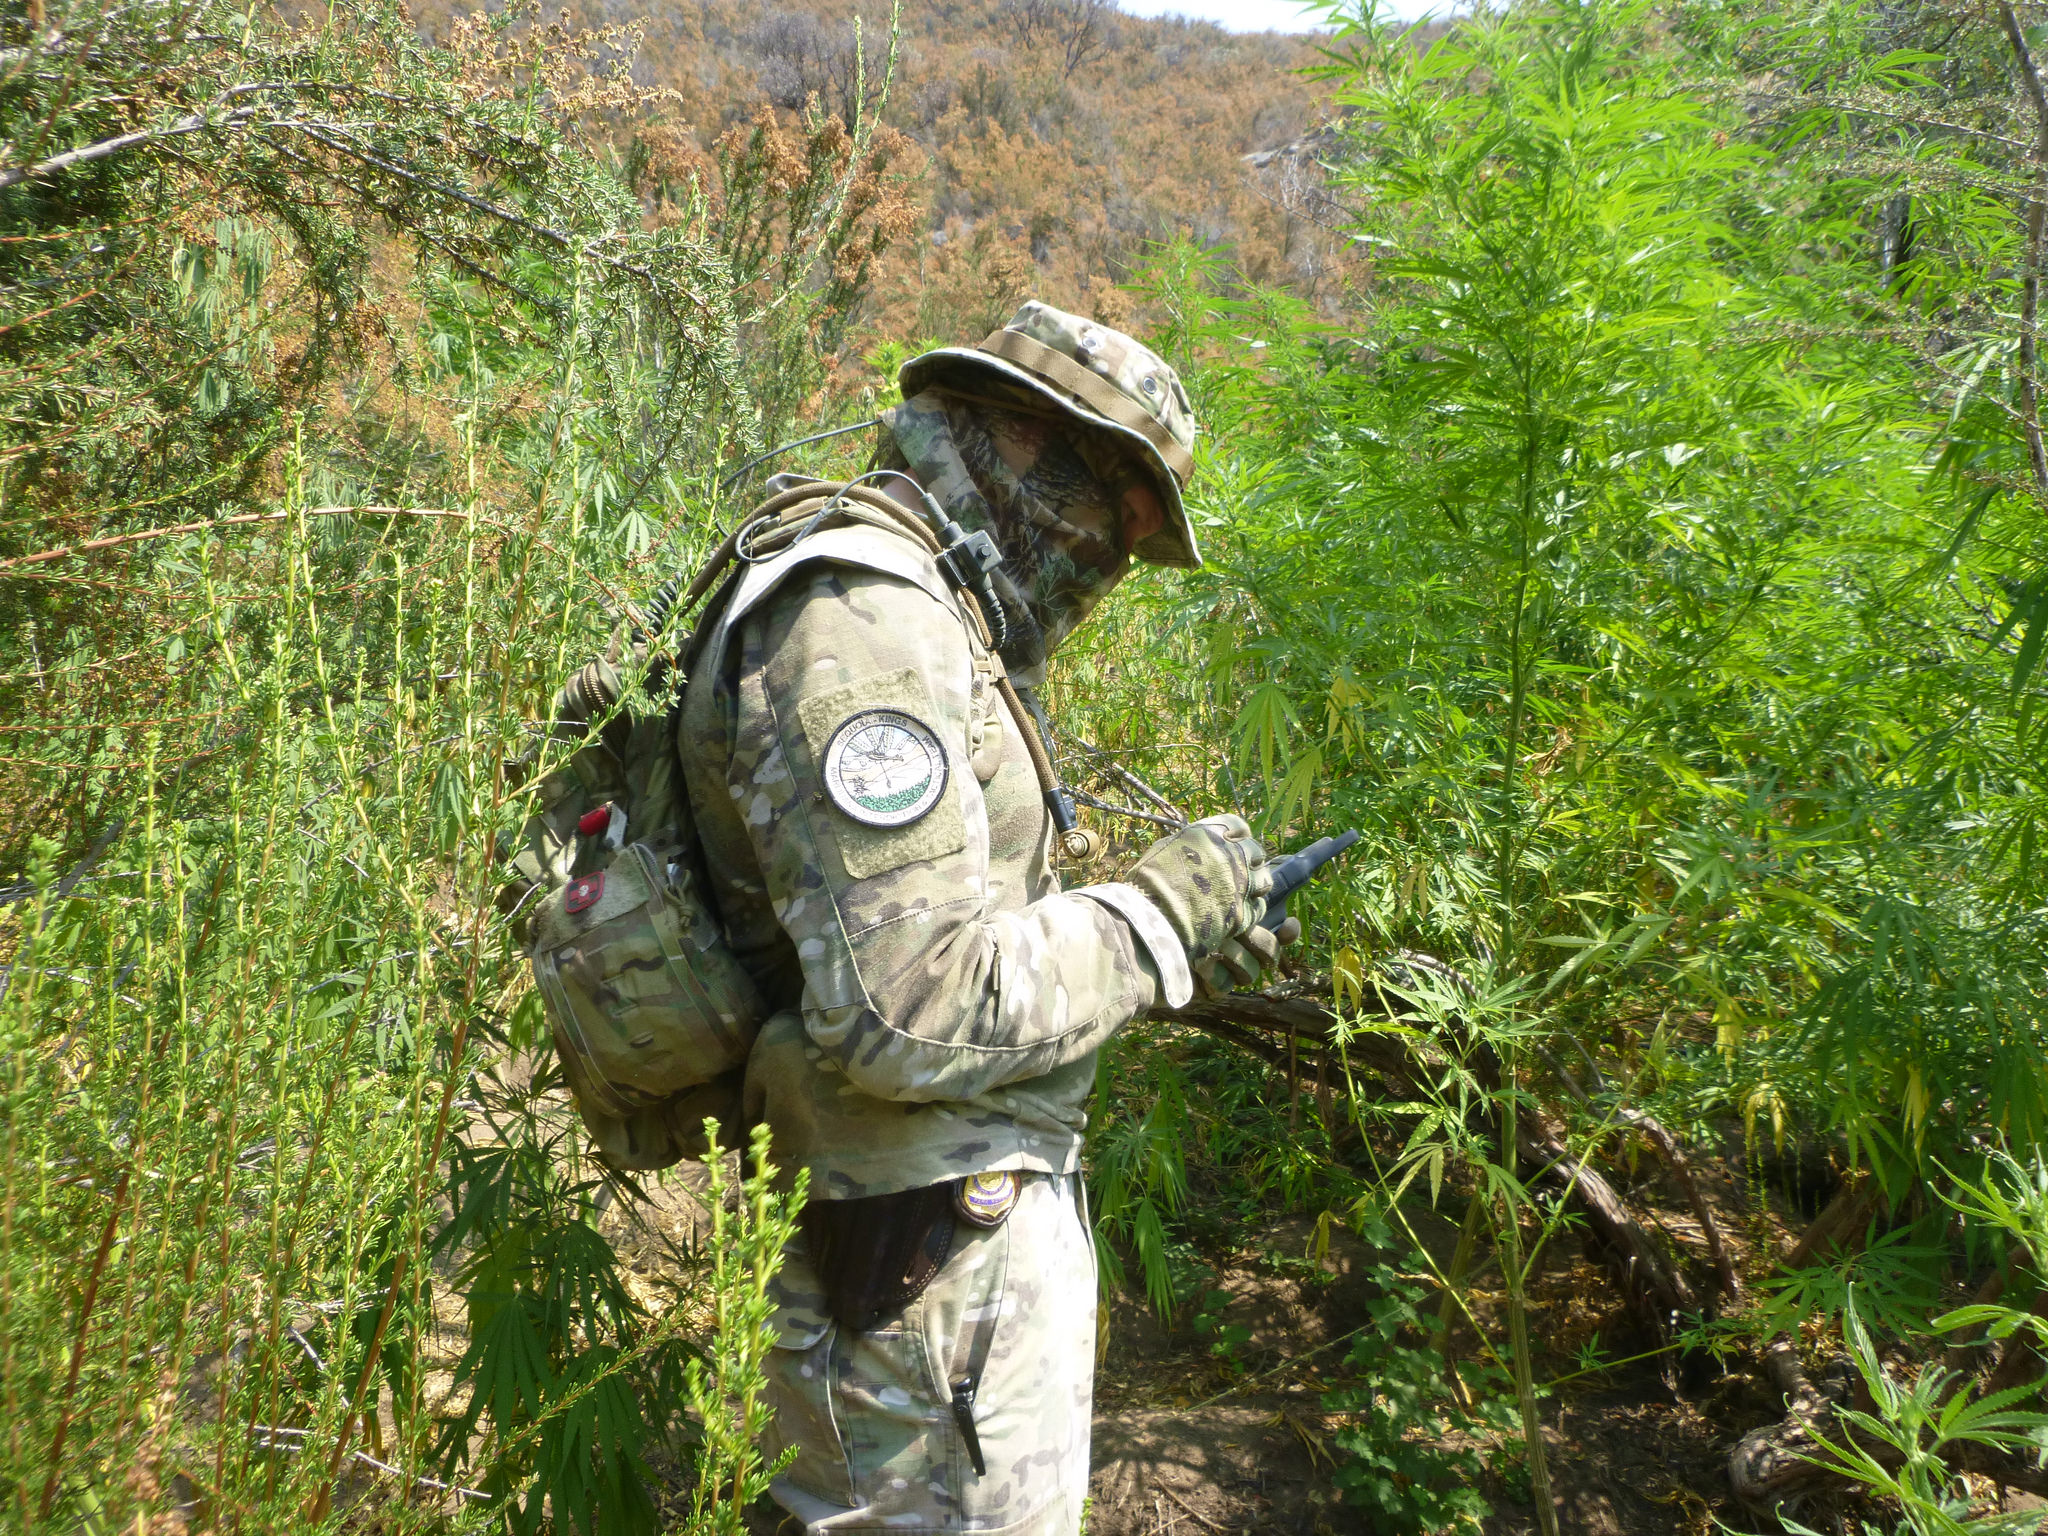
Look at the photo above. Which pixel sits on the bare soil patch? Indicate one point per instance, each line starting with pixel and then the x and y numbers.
pixel 1183 1445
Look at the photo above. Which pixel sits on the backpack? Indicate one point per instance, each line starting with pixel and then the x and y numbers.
pixel 652 1014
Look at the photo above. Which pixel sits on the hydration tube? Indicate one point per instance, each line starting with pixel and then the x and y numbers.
pixel 816 437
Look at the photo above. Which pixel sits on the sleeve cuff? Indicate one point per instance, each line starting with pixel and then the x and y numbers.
pixel 1176 981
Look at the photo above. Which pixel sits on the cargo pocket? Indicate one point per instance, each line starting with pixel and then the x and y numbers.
pixel 871 1415
pixel 1027 1318
pixel 969 1334
pixel 905 1452
pixel 799 1371
pixel 895 1428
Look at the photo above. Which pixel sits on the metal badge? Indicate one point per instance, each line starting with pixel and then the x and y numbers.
pixel 986 1199
pixel 884 768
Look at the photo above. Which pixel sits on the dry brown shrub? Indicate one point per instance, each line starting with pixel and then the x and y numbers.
pixel 580 69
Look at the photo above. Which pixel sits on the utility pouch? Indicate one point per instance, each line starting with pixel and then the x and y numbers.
pixel 876 1255
pixel 648 1003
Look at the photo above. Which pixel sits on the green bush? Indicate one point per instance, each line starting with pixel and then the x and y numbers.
pixel 352 397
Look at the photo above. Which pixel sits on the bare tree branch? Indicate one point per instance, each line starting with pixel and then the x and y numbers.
pixel 191 122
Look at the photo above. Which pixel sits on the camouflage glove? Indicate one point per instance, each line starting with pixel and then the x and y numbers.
pixel 1210 882
pixel 1236 965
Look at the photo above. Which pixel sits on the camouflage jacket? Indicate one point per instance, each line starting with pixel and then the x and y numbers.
pixel 939 1001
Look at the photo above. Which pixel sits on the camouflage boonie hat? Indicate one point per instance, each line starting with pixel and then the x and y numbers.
pixel 1101 376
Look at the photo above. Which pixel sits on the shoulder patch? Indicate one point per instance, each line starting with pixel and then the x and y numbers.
pixel 880 752
pixel 884 767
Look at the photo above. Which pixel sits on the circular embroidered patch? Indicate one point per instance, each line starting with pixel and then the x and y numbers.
pixel 884 768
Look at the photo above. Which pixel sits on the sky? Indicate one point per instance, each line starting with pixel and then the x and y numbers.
pixel 1267 15
pixel 1237 15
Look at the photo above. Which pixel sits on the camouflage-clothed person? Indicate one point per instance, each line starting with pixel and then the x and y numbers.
pixel 938 999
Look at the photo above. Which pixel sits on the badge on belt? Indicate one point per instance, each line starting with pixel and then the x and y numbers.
pixel 986 1199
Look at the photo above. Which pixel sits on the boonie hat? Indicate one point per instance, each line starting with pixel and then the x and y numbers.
pixel 1103 377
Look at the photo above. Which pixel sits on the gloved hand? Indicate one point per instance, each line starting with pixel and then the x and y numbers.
pixel 1237 963
pixel 1209 880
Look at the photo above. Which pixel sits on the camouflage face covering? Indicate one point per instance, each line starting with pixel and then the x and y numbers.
pixel 1052 495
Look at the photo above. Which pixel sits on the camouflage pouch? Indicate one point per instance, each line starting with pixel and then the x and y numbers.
pixel 652 1015
pixel 647 1001
pixel 627 764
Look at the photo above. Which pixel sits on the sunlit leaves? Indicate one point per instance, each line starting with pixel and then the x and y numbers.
pixel 1896 1449
pixel 1643 576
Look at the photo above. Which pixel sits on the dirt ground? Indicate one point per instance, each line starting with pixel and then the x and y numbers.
pixel 1629 1451
pixel 1185 1445
pixel 1640 1449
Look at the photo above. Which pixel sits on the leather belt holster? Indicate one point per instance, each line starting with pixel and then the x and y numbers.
pixel 876 1255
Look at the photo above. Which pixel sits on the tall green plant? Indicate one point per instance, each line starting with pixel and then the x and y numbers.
pixel 1896 1451
pixel 726 1388
pixel 1609 568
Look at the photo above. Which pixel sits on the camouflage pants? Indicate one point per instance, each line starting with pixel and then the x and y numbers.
pixel 871 1416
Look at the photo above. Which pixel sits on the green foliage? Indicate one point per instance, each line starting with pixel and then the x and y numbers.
pixel 1896 1449
pixel 2011 1201
pixel 574 1377
pixel 726 1389
pixel 1225 1339
pixel 1641 563
pixel 1138 1180
pixel 352 396
pixel 235 1031
pixel 1606 573
pixel 1895 1281
pixel 1911 136
pixel 1409 1449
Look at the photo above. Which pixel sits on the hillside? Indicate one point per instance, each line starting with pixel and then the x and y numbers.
pixel 1048 143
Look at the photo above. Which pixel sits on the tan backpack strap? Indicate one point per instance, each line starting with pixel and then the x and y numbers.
pixel 773 524
pixel 779 522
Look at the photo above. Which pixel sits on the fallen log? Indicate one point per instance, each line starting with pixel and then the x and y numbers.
pixel 1656 1289
pixel 1778 1468
pixel 1681 1169
pixel 1840 1225
pixel 1781 1467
